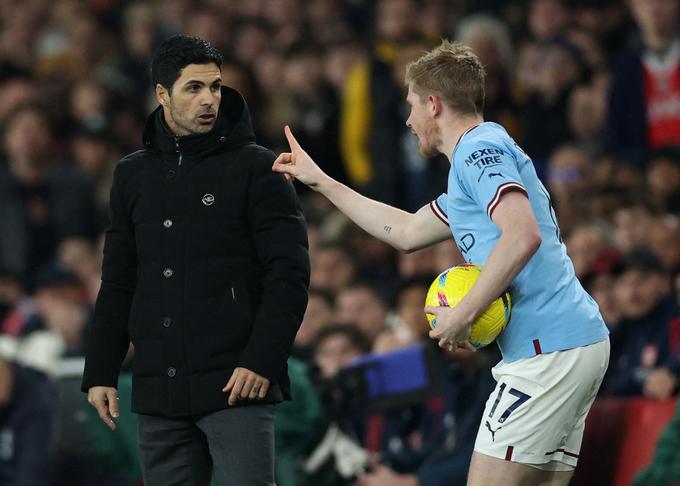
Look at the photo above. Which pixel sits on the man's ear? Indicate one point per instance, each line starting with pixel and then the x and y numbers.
pixel 162 95
pixel 435 105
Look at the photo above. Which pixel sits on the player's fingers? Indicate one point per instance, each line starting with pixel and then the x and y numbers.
pixel 282 161
pixel 236 390
pixel 289 177
pixel 294 145
pixel 431 309
pixel 437 333
pixel 231 381
pixel 467 345
pixel 264 389
pixel 114 407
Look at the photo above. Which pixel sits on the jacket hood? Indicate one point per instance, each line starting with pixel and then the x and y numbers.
pixel 233 128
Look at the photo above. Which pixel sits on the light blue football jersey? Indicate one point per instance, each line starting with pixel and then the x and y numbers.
pixel 550 309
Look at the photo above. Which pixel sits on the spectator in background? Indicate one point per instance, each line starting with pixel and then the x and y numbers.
pixel 664 241
pixel 12 293
pixel 548 20
pixel 89 105
pixel 489 38
pixel 16 89
pixel 318 315
pixel 409 324
pixel 371 118
pixel 41 202
pixel 663 181
pixel 569 181
pixel 26 417
pixel 644 105
pixel 547 73
pixel 633 224
pixel 336 346
pixel 95 154
pixel 362 306
pixel 84 259
pixel 139 33
pixel 641 342
pixel 315 105
pixel 586 246
pixel 586 111
pixel 333 268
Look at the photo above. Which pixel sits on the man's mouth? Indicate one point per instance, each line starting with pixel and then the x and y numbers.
pixel 206 118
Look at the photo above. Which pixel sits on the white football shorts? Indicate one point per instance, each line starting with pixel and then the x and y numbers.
pixel 537 412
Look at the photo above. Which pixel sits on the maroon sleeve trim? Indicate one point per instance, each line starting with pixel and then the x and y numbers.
pixel 502 189
pixel 437 210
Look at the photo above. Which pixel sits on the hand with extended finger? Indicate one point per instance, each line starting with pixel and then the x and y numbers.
pixel 298 164
pixel 452 329
pixel 246 385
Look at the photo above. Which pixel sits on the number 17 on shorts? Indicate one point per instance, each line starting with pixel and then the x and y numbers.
pixel 536 414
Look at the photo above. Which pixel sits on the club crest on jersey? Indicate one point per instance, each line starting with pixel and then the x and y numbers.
pixel 208 199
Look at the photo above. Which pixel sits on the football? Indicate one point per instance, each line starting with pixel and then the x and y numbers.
pixel 449 288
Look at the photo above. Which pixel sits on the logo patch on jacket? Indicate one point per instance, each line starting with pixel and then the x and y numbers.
pixel 208 199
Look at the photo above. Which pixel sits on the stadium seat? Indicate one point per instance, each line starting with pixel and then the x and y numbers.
pixel 620 438
pixel 645 419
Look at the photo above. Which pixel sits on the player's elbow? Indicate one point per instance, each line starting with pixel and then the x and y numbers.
pixel 532 240
pixel 406 245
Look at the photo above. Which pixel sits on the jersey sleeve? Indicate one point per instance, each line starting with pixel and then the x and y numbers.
pixel 438 207
pixel 486 172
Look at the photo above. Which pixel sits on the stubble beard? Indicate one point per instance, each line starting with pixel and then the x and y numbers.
pixel 431 141
pixel 185 125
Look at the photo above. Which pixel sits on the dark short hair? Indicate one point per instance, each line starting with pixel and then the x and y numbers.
pixel 177 52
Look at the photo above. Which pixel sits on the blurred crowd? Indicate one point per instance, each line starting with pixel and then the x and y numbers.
pixel 589 88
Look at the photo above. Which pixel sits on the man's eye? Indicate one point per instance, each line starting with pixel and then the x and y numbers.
pixel 216 87
pixel 193 88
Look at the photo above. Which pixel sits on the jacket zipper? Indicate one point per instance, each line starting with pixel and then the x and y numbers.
pixel 233 294
pixel 179 162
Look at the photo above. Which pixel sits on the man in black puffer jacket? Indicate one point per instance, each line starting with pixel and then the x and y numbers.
pixel 205 272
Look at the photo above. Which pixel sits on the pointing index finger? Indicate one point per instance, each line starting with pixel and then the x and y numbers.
pixel 291 139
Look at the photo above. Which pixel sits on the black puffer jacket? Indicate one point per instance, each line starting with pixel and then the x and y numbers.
pixel 205 268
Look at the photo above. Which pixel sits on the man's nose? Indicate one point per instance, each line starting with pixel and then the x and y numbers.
pixel 209 98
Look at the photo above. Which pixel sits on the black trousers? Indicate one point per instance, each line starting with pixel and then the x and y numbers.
pixel 236 445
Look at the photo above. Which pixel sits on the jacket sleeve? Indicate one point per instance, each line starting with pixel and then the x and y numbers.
pixel 108 340
pixel 279 234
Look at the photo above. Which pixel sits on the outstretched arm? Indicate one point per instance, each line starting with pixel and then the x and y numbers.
pixel 403 230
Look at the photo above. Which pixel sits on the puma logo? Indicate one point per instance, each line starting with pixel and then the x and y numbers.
pixel 493 432
pixel 495 174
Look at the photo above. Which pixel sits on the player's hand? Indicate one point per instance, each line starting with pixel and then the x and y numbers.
pixel 660 384
pixel 297 164
pixel 246 385
pixel 105 400
pixel 451 330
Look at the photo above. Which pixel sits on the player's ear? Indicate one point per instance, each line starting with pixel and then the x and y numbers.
pixel 435 105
